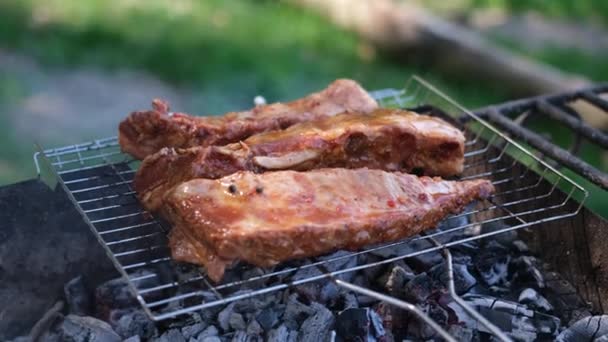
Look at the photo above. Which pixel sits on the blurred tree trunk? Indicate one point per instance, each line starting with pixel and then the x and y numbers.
pixel 405 29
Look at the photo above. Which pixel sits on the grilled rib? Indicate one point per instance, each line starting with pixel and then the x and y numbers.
pixel 268 218
pixel 146 132
pixel 392 140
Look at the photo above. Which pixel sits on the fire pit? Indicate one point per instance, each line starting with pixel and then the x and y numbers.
pixel 476 275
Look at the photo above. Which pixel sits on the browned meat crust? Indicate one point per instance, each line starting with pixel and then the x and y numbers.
pixel 268 218
pixel 386 139
pixel 146 132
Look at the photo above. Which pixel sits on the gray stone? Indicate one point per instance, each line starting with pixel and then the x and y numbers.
pixel 86 329
pixel 237 322
pixel 172 335
pixel 193 329
pixel 129 322
pixel 77 297
pixel 316 327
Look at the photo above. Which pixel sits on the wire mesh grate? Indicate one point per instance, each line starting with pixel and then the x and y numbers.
pixel 97 177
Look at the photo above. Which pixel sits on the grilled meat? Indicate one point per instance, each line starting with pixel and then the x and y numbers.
pixel 268 218
pixel 146 132
pixel 392 140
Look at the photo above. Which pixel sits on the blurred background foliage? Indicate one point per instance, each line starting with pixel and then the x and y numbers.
pixel 223 53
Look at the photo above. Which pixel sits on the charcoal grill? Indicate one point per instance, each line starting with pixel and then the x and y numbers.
pixel 97 177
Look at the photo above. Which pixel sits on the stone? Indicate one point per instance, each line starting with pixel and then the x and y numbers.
pixel 86 329
pixel 237 322
pixel 193 330
pixel 267 318
pixel 534 300
pixel 587 329
pixel 316 327
pixel 78 297
pixel 172 335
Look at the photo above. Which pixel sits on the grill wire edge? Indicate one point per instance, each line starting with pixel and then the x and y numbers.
pixel 96 176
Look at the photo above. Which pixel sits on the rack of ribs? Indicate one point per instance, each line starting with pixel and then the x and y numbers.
pixel 386 139
pixel 268 218
pixel 145 132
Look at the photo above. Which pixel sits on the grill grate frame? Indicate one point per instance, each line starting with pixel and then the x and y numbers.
pixel 97 176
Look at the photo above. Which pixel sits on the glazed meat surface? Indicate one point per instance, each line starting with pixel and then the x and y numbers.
pixel 386 139
pixel 146 132
pixel 268 218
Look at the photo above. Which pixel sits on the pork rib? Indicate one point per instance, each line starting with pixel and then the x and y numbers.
pixel 268 218
pixel 144 133
pixel 391 140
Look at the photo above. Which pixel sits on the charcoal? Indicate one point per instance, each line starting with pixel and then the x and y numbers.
pixel 505 238
pixel 296 312
pixel 209 339
pixel 241 336
pixel 267 318
pixel 520 246
pixel 316 327
pixel 172 335
pixel 603 338
pixel 587 329
pixel 133 339
pixel 85 329
pixel 193 329
pixel 253 304
pixel 223 318
pixel 339 264
pixel 252 273
pixel 534 300
pixel 237 322
pixel 349 300
pixel 129 322
pixel 492 263
pixel 329 293
pixel 361 324
pixel 527 271
pixel 77 297
pixel 462 333
pixel 396 280
pixel 419 288
pixel 254 328
pixel 463 280
pixel 211 331
pixel 515 319
pixel 279 334
pixel 113 294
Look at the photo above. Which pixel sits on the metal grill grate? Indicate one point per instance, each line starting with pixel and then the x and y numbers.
pixel 97 178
